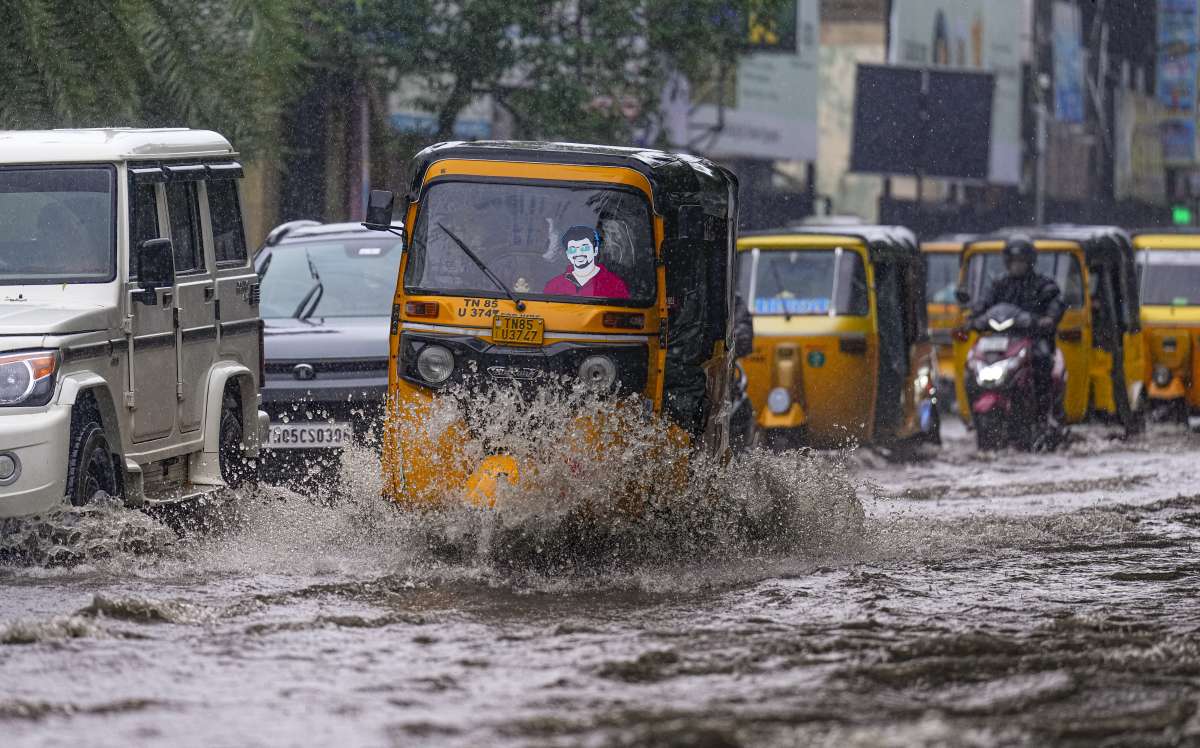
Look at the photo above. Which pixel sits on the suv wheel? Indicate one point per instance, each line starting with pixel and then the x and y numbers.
pixel 90 469
pixel 234 467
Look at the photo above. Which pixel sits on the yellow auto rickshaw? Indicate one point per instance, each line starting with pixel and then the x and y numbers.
pixel 841 342
pixel 1169 265
pixel 941 282
pixel 1100 334
pixel 528 265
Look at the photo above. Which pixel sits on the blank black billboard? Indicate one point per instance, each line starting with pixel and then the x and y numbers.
pixel 935 123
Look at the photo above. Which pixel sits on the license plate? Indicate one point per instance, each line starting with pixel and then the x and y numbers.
pixel 518 330
pixel 993 344
pixel 309 435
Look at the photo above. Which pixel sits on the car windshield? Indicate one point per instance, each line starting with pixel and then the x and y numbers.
pixel 330 278
pixel 57 225
pixel 804 282
pixel 941 277
pixel 1063 267
pixel 543 242
pixel 1170 277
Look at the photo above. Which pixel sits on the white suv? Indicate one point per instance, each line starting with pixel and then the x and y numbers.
pixel 130 342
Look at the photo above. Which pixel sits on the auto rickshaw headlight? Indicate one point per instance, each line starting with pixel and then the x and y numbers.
pixel 598 373
pixel 779 401
pixel 1162 375
pixel 435 363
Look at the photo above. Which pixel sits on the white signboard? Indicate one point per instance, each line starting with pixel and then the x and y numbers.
pixel 772 112
pixel 973 35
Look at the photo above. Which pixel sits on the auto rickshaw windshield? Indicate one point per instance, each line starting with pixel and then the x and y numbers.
pixel 570 243
pixel 808 282
pixel 1062 267
pixel 941 277
pixel 1170 277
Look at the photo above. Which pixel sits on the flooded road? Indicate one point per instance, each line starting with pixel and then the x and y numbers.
pixel 959 600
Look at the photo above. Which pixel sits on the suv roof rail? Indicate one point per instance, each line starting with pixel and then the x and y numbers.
pixel 284 229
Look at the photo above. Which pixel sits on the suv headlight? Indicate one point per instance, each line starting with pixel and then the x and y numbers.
pixel 27 379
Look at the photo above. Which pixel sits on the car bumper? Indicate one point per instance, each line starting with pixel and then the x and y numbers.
pixel 39 442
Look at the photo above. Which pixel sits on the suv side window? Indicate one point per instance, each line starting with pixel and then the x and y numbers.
pixel 229 237
pixel 143 220
pixel 184 215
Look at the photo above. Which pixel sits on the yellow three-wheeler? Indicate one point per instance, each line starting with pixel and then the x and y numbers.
pixel 527 264
pixel 1169 264
pixel 841 343
pixel 1100 335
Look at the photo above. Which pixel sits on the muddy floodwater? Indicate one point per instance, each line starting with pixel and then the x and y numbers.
pixel 961 599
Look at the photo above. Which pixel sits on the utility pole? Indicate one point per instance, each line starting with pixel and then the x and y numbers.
pixel 1041 87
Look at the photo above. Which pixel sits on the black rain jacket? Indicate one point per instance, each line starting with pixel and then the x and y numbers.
pixel 1032 292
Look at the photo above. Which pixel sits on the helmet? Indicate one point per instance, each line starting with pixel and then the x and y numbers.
pixel 1020 247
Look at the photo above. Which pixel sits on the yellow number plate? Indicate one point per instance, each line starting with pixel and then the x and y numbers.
pixel 518 330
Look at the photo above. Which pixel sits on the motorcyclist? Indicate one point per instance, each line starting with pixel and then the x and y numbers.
pixel 1037 295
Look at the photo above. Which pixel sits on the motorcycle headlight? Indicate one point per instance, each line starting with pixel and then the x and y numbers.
pixel 1162 375
pixel 996 374
pixel 435 364
pixel 779 401
pixel 27 379
pixel 598 372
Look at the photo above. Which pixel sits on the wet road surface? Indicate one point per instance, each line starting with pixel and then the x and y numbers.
pixel 984 600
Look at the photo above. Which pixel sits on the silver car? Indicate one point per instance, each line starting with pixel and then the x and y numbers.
pixel 327 292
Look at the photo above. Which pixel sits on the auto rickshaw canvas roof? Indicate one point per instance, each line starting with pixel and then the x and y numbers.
pixel 948 243
pixel 877 239
pixel 675 179
pixel 110 145
pixel 1168 238
pixel 1099 243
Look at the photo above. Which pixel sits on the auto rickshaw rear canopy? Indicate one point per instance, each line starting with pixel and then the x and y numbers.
pixel 880 241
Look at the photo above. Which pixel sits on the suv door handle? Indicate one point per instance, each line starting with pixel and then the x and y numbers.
pixel 208 294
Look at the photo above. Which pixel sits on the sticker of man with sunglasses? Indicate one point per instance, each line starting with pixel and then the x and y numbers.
pixel 585 276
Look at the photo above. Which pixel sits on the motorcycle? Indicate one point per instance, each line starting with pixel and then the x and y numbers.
pixel 1000 383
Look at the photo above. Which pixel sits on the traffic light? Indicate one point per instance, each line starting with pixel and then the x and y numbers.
pixel 1181 215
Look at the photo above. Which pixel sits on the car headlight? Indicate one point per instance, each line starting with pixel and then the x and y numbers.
pixel 1162 375
pixel 598 372
pixel 435 364
pixel 779 401
pixel 27 379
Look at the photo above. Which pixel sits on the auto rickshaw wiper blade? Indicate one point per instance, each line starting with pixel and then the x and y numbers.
pixel 483 266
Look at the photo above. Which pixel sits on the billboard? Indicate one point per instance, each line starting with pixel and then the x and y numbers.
pixel 922 121
pixel 767 109
pixel 1176 85
pixel 982 35
pixel 1069 59
pixel 1139 172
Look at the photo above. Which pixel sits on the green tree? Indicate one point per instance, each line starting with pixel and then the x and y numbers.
pixel 223 64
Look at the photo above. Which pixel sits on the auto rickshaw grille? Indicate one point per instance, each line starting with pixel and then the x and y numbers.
pixel 481 365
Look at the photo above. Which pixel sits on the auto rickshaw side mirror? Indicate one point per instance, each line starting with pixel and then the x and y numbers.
pixel 962 296
pixel 690 222
pixel 379 210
